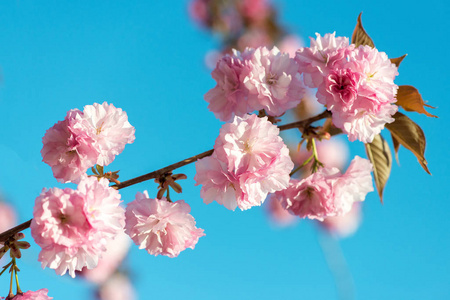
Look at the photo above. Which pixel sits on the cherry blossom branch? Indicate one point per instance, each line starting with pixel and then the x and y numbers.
pixel 158 173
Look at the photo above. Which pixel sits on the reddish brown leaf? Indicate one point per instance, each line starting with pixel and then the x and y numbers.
pixel 380 156
pixel 396 147
pixel 176 187
pixel 360 36
pixel 410 136
pixel 410 99
pixel 396 61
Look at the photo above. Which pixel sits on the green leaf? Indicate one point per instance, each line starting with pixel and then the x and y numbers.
pixel 380 156
pixel 410 99
pixel 99 169
pixel 360 36
pixel 410 136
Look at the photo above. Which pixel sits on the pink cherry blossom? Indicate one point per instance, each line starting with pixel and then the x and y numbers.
pixel 316 61
pixel 229 97
pixel 311 197
pixel 102 206
pixel 218 184
pixel 31 295
pixel 340 89
pixel 113 131
pixel 378 71
pixel 327 192
pixel 249 161
pixel 274 82
pixel 70 148
pixel 160 226
pixel 72 226
pixel 84 139
pixel 354 184
pixel 360 92
pixel 364 125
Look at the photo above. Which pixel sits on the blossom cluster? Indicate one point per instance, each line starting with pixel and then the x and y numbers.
pixel 85 138
pixel 239 23
pixel 74 227
pixel 327 192
pixel 355 83
pixel 253 80
pixel 249 161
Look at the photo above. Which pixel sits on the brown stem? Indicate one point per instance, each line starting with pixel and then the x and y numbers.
pixel 5 235
pixel 305 123
pixel 158 173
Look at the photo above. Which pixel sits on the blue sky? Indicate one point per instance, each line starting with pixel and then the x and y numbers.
pixel 147 58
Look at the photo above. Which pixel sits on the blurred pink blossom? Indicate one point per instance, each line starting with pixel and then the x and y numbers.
pixel 118 287
pixel 254 38
pixel 332 153
pixel 198 10
pixel 31 295
pixel 249 161
pixel 160 226
pixel 8 216
pixel 278 214
pixel 72 226
pixel 8 219
pixel 256 10
pixel 212 57
pixel 290 44
pixel 345 225
pixel 116 251
pixel 327 192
